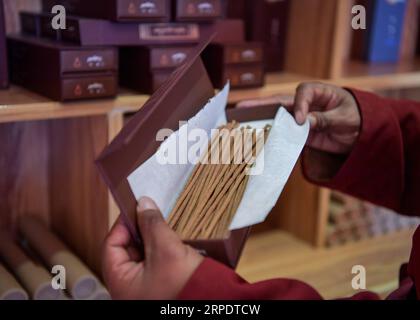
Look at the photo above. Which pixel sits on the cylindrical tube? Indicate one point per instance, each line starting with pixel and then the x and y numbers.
pixel 10 289
pixel 33 277
pixel 80 281
pixel 101 294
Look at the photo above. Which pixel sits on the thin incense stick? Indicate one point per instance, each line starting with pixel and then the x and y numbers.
pixel 213 193
pixel 190 183
pixel 235 172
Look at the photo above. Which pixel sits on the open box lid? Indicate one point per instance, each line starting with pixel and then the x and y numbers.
pixel 186 91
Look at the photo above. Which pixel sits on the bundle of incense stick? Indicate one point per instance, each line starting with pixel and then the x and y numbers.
pixel 214 191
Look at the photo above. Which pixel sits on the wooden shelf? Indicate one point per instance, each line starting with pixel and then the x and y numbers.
pixel 357 75
pixel 380 76
pixel 277 254
pixel 19 104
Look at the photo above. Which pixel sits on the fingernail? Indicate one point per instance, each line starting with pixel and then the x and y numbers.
pixel 145 203
pixel 300 119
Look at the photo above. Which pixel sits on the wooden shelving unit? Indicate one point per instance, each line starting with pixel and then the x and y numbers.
pixel 19 104
pixel 48 148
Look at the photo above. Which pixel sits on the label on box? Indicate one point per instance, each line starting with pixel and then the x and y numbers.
pixel 243 54
pixel 88 60
pixel 168 57
pixel 169 32
pixel 89 87
pixel 244 77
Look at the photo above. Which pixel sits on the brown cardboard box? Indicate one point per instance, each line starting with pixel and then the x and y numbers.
pixel 179 98
pixel 186 91
pixel 4 77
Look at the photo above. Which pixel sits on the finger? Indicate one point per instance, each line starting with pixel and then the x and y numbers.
pixel 158 237
pixel 323 121
pixel 319 121
pixel 315 97
pixel 303 100
pixel 286 101
pixel 115 252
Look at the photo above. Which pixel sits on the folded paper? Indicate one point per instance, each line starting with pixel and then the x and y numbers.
pixel 165 182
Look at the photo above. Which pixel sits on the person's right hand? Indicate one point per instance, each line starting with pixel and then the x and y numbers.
pixel 168 262
pixel 332 111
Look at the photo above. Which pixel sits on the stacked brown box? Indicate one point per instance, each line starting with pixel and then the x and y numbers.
pixel 266 22
pixel 97 32
pixel 4 78
pixel 63 72
pixel 240 63
pixel 87 32
pixel 144 69
pixel 116 10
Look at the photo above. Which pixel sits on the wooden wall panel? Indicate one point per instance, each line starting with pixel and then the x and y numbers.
pixel 79 198
pixel 309 44
pixel 297 209
pixel 24 186
pixel 341 41
pixel 410 31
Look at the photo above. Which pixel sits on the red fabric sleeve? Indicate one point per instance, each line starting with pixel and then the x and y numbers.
pixel 384 165
pixel 214 281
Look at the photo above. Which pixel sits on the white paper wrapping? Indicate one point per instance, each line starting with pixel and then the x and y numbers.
pixel 164 183
pixel 282 149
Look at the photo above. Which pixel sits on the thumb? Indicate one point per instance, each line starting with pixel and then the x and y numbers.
pixel 322 121
pixel 156 233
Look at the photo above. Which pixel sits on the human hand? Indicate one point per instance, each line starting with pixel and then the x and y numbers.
pixel 167 266
pixel 332 111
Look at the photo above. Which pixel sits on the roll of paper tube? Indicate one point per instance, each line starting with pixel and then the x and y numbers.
pixel 101 294
pixel 10 289
pixel 35 278
pixel 80 281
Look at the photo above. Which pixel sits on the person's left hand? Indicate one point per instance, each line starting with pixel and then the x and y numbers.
pixel 167 266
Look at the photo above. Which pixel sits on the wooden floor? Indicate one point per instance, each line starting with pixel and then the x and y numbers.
pixel 277 254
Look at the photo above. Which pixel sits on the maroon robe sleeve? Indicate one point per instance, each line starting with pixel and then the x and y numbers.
pixel 384 165
pixel 383 168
